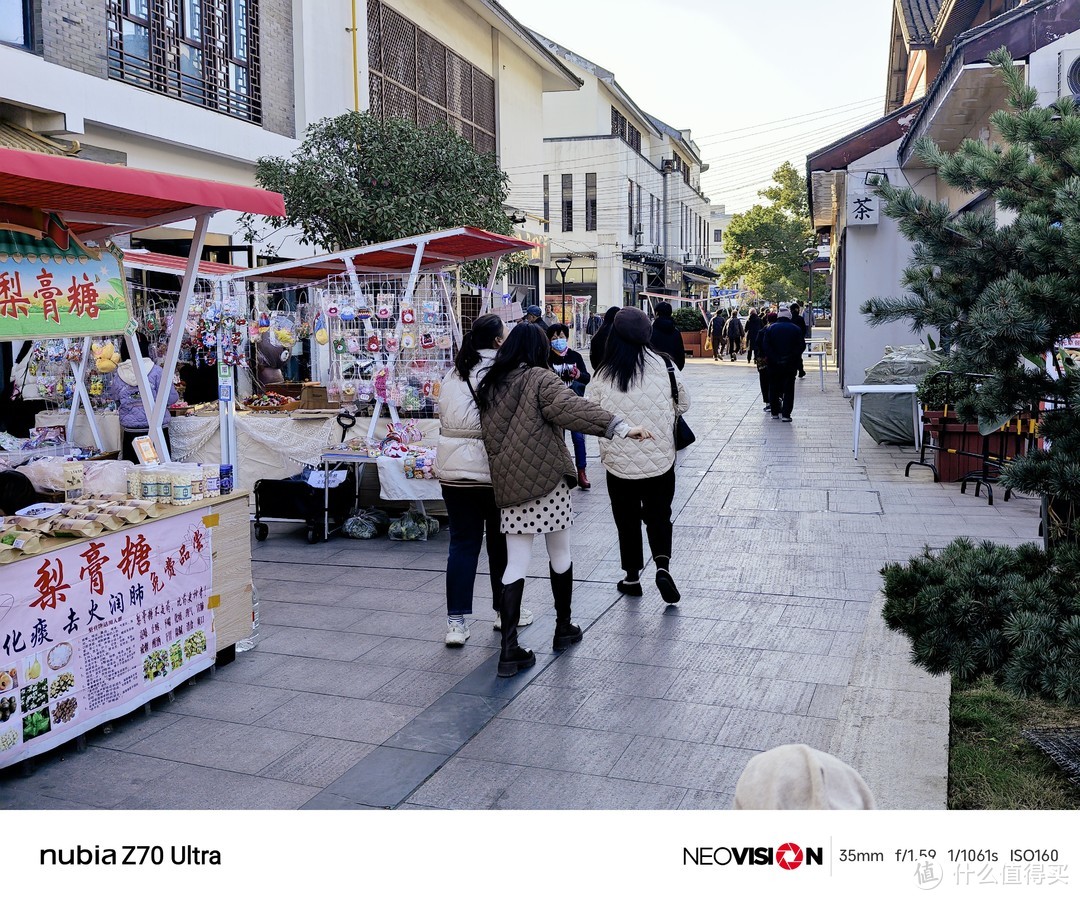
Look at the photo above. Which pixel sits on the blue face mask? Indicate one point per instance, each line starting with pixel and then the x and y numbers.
pixel 560 345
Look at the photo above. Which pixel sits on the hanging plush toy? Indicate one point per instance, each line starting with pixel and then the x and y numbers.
pixel 391 343
pixel 381 389
pixel 322 336
pixel 373 343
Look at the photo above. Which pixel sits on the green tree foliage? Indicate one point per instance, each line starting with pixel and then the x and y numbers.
pixel 688 318
pixel 1003 290
pixel 1012 613
pixel 765 244
pixel 357 179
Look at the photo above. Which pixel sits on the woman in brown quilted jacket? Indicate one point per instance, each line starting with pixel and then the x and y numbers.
pixel 524 409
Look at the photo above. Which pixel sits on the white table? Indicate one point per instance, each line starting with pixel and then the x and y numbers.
pixel 858 391
pixel 816 347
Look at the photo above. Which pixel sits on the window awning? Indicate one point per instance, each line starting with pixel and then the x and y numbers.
pixel 440 249
pixel 98 200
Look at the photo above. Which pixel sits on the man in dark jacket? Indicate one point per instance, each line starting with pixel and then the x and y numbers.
pixel 753 328
pixel 716 332
pixel 783 345
pixel 797 318
pixel 665 336
pixel 733 331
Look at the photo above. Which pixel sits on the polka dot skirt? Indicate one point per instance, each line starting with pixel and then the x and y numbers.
pixel 550 513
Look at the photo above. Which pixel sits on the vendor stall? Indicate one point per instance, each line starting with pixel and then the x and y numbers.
pixel 111 598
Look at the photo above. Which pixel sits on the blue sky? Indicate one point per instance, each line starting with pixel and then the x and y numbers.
pixel 756 82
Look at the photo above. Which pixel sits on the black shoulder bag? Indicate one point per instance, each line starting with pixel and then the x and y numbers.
pixel 684 434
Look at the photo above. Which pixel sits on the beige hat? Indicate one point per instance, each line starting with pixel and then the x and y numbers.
pixel 795 776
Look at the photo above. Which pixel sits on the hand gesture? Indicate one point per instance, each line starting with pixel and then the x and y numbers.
pixel 637 433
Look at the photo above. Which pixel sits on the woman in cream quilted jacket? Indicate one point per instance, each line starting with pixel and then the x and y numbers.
pixel 461 465
pixel 634 383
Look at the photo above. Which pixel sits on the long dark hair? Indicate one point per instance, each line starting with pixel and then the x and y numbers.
pixel 527 345
pixel 485 332
pixel 623 362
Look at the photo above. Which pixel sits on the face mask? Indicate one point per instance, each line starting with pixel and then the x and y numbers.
pixel 560 345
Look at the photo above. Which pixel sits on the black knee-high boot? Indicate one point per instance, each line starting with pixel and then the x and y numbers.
pixel 562 589
pixel 512 658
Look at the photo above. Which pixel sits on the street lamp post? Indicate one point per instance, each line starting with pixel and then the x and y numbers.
pixel 635 277
pixel 563 265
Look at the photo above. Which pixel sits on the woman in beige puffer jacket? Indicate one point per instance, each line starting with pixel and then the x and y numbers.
pixel 634 383
pixel 461 465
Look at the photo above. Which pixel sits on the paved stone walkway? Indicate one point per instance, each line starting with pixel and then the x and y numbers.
pixel 350 699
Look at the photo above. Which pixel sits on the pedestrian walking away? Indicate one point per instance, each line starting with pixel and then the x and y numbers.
pixel 599 340
pixel 716 333
pixel 570 367
pixel 733 332
pixel 783 345
pixel 634 383
pixel 461 465
pixel 762 364
pixel 800 322
pixel 524 407
pixel 753 329
pixel 665 336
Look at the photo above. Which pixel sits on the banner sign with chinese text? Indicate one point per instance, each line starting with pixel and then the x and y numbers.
pixel 53 286
pixel 96 629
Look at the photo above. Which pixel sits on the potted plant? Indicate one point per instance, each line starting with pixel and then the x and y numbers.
pixel 691 325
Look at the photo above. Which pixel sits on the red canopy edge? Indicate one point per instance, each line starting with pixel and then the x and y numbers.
pixel 174 265
pixel 441 249
pixel 91 196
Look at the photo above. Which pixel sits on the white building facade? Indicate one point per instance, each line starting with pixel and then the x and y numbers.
pixel 204 88
pixel 620 193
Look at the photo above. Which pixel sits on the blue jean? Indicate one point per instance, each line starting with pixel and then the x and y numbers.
pixel 472 510
pixel 579 448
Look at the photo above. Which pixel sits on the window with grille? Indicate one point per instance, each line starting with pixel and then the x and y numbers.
pixel 630 206
pixel 590 201
pixel 204 52
pixel 568 203
pixel 717 235
pixel 621 127
pixel 416 77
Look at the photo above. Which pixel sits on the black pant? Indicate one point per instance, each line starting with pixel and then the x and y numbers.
pixel 638 500
pixel 763 380
pixel 781 388
pixel 734 348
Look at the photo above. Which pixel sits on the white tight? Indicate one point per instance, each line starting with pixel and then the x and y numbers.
pixel 519 554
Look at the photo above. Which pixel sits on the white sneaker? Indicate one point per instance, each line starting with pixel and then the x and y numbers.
pixel 457 635
pixel 526 618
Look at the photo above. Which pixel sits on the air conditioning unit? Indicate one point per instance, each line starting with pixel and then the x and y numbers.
pixel 1069 73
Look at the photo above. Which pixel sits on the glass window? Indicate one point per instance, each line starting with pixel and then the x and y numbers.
pixel 630 206
pixel 193 20
pixel 239 29
pixel 568 203
pixel 717 235
pixel 15 22
pixel 590 201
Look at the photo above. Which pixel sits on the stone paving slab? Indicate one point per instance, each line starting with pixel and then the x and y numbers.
pixel 351 701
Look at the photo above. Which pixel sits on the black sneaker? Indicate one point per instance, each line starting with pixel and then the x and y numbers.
pixel 666 583
pixel 776 415
pixel 630 588
pixel 784 418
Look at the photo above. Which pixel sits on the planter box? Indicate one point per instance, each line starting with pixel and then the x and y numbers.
pixel 959 448
pixel 693 342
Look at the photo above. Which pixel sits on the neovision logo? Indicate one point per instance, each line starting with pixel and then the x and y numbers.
pixel 787 856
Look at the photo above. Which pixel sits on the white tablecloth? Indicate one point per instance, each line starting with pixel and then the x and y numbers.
pixel 393 485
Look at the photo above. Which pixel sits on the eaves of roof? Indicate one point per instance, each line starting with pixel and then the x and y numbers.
pixel 527 40
pixel 1022 31
pixel 605 75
